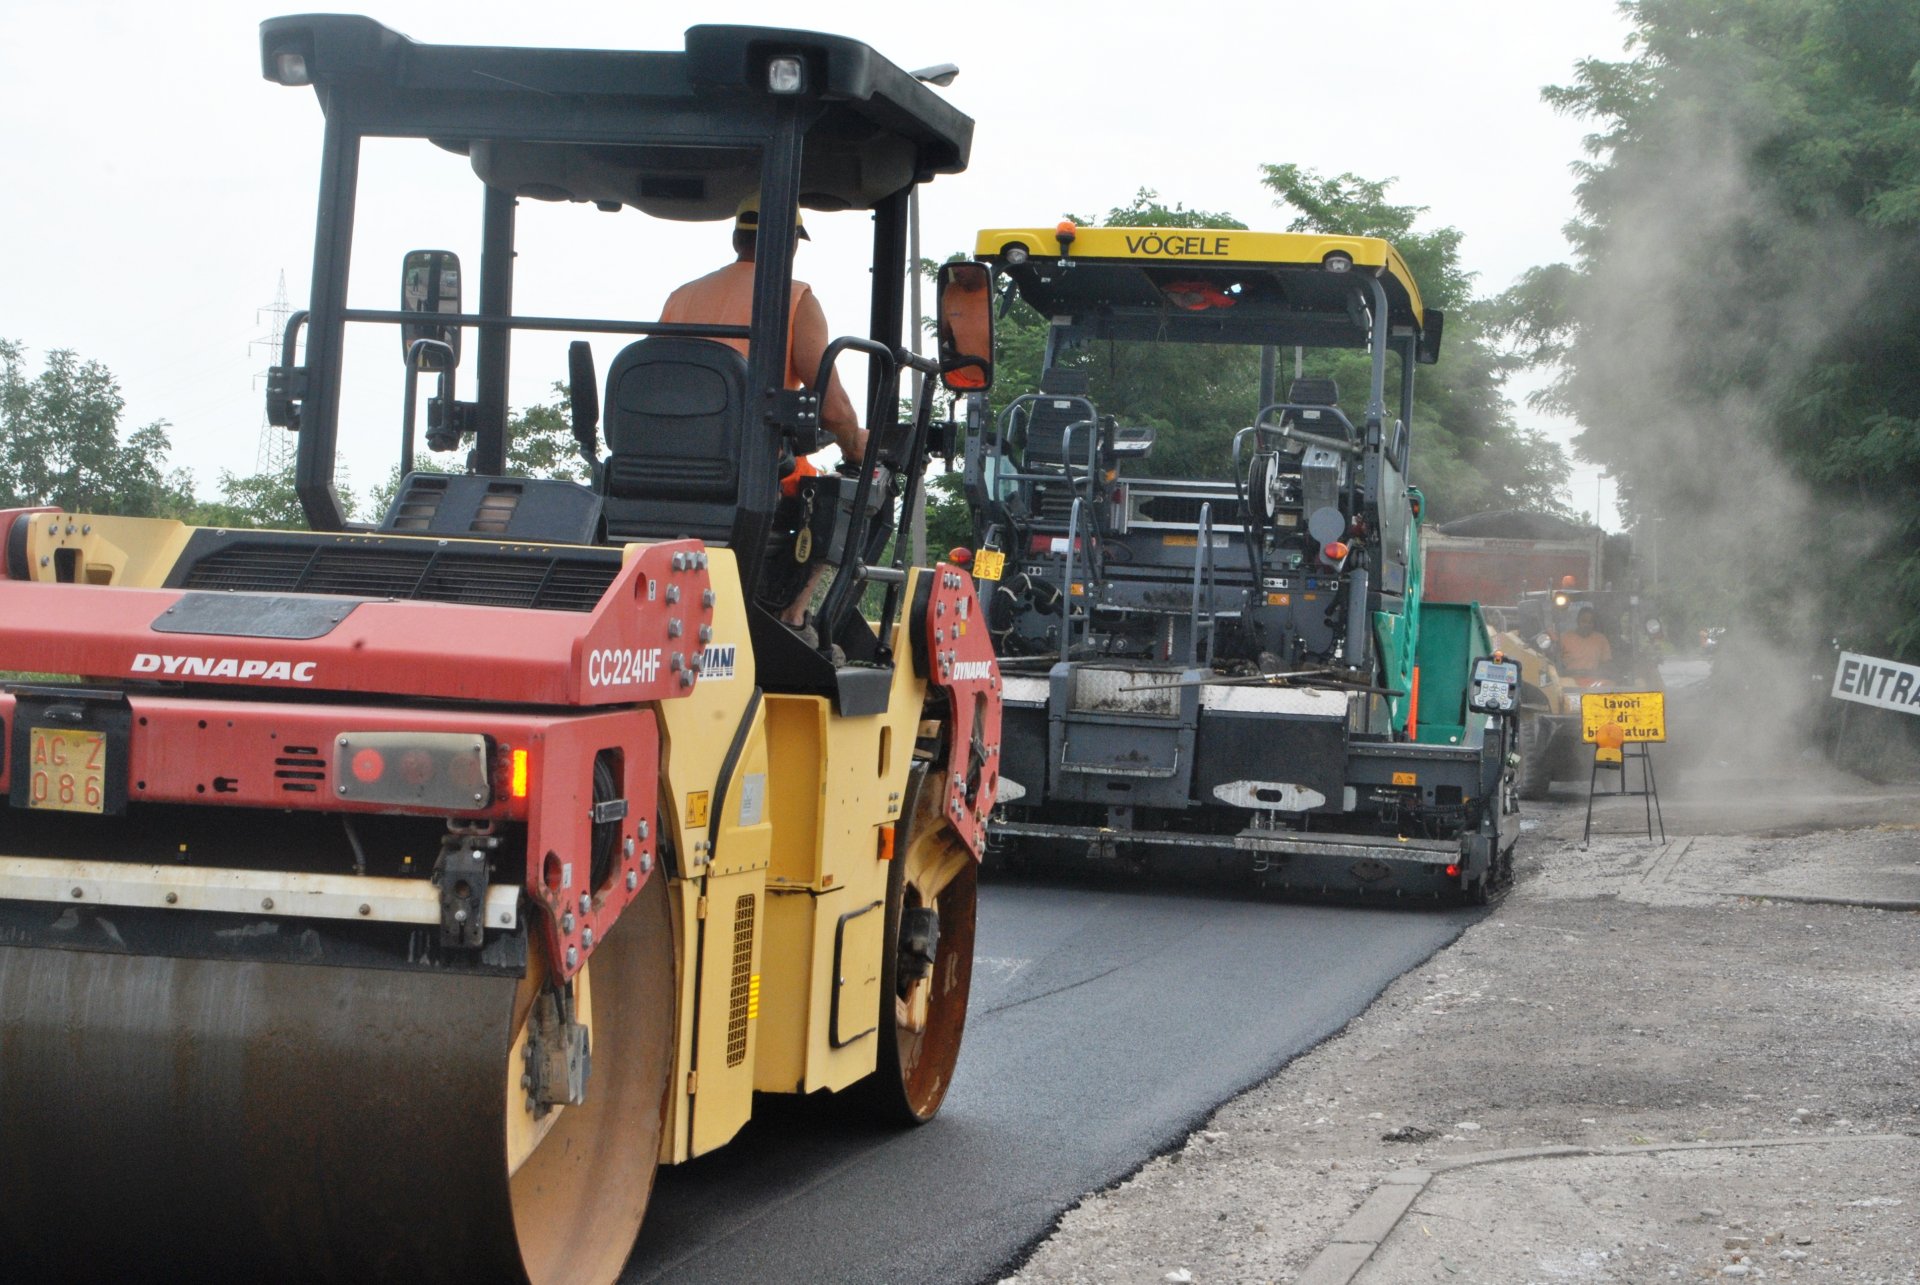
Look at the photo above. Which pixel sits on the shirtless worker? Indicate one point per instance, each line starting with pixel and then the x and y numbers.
pixel 1585 652
pixel 725 298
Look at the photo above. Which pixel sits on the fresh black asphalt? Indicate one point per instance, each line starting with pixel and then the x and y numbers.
pixel 1105 1024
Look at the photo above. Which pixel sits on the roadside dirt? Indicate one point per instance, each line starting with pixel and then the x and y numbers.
pixel 1635 995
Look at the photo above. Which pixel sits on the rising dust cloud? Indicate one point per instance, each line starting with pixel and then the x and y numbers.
pixel 1708 311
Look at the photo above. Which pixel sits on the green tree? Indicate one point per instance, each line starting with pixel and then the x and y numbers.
pixel 60 442
pixel 1739 326
pixel 1468 454
pixel 255 500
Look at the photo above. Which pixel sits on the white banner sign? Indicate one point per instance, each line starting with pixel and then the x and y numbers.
pixel 1869 680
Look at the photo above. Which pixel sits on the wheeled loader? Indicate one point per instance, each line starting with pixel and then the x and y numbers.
pixel 384 902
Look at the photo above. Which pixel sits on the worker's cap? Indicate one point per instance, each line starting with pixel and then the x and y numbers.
pixel 747 218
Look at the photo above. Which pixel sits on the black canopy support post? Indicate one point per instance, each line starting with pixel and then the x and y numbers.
pixel 1377 390
pixel 1269 374
pixel 1373 429
pixel 496 342
pixel 890 226
pixel 326 325
pixel 1407 348
pixel 767 349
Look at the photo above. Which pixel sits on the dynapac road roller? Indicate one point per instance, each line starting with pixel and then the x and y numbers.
pixel 384 902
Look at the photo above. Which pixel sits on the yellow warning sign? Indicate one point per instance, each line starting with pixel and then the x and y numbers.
pixel 989 564
pixel 1406 778
pixel 1642 716
pixel 697 808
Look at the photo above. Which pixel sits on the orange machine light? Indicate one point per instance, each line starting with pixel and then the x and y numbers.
pixel 1453 872
pixel 1413 706
pixel 959 555
pixel 1610 736
pixel 1336 551
pixel 1065 230
pixel 519 774
pixel 1568 581
pixel 1499 657
pixel 886 843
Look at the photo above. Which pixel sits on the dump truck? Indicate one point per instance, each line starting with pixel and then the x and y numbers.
pixel 1240 671
pixel 1532 574
pixel 386 901
pixel 1494 558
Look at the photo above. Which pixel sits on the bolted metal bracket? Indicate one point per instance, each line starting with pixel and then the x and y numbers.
pixel 461 875
pixel 559 1054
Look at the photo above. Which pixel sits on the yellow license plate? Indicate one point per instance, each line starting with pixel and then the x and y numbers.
pixel 989 564
pixel 66 769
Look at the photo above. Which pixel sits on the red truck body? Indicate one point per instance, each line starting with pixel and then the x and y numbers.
pixel 1494 572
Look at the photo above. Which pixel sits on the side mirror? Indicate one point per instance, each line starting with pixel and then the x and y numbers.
pixel 964 302
pixel 430 282
pixel 583 398
pixel 1432 324
pixel 1399 447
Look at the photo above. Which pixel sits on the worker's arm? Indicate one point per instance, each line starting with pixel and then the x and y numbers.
pixel 836 410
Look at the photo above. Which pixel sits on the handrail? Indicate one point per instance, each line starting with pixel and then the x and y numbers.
pixel 1091 423
pixel 1249 517
pixel 585 325
pixel 1202 558
pixel 845 581
pixel 1066 584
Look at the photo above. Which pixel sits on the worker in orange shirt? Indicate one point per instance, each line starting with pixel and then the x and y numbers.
pixel 725 297
pixel 1585 652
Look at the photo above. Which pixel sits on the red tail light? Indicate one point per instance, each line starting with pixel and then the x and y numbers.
pixel 436 771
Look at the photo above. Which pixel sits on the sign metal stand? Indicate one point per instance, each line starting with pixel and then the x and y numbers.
pixel 1619 724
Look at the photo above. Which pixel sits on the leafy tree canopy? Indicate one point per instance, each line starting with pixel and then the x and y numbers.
pixel 1738 330
pixel 60 442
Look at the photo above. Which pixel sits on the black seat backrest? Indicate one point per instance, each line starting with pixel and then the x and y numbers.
pixel 675 425
pixel 1061 404
pixel 1309 390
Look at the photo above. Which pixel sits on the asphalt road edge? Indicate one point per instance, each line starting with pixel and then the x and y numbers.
pixel 1348 1252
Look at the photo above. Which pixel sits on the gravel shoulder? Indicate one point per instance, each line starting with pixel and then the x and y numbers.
pixel 1697 1059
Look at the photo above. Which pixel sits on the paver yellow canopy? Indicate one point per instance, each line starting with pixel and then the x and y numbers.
pixel 383 902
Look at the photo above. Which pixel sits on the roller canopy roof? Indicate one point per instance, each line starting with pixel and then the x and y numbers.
pixel 1207 285
pixel 672 132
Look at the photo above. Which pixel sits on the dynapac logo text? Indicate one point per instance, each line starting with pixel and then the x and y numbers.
pixel 972 671
pixel 267 671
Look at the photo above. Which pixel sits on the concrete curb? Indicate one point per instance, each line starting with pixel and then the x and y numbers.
pixel 1369 1226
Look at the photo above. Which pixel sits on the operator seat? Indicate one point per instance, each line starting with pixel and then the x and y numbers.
pixel 1061 404
pixel 1312 391
pixel 675 411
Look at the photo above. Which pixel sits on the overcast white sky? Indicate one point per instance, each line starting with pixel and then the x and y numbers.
pixel 156 187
